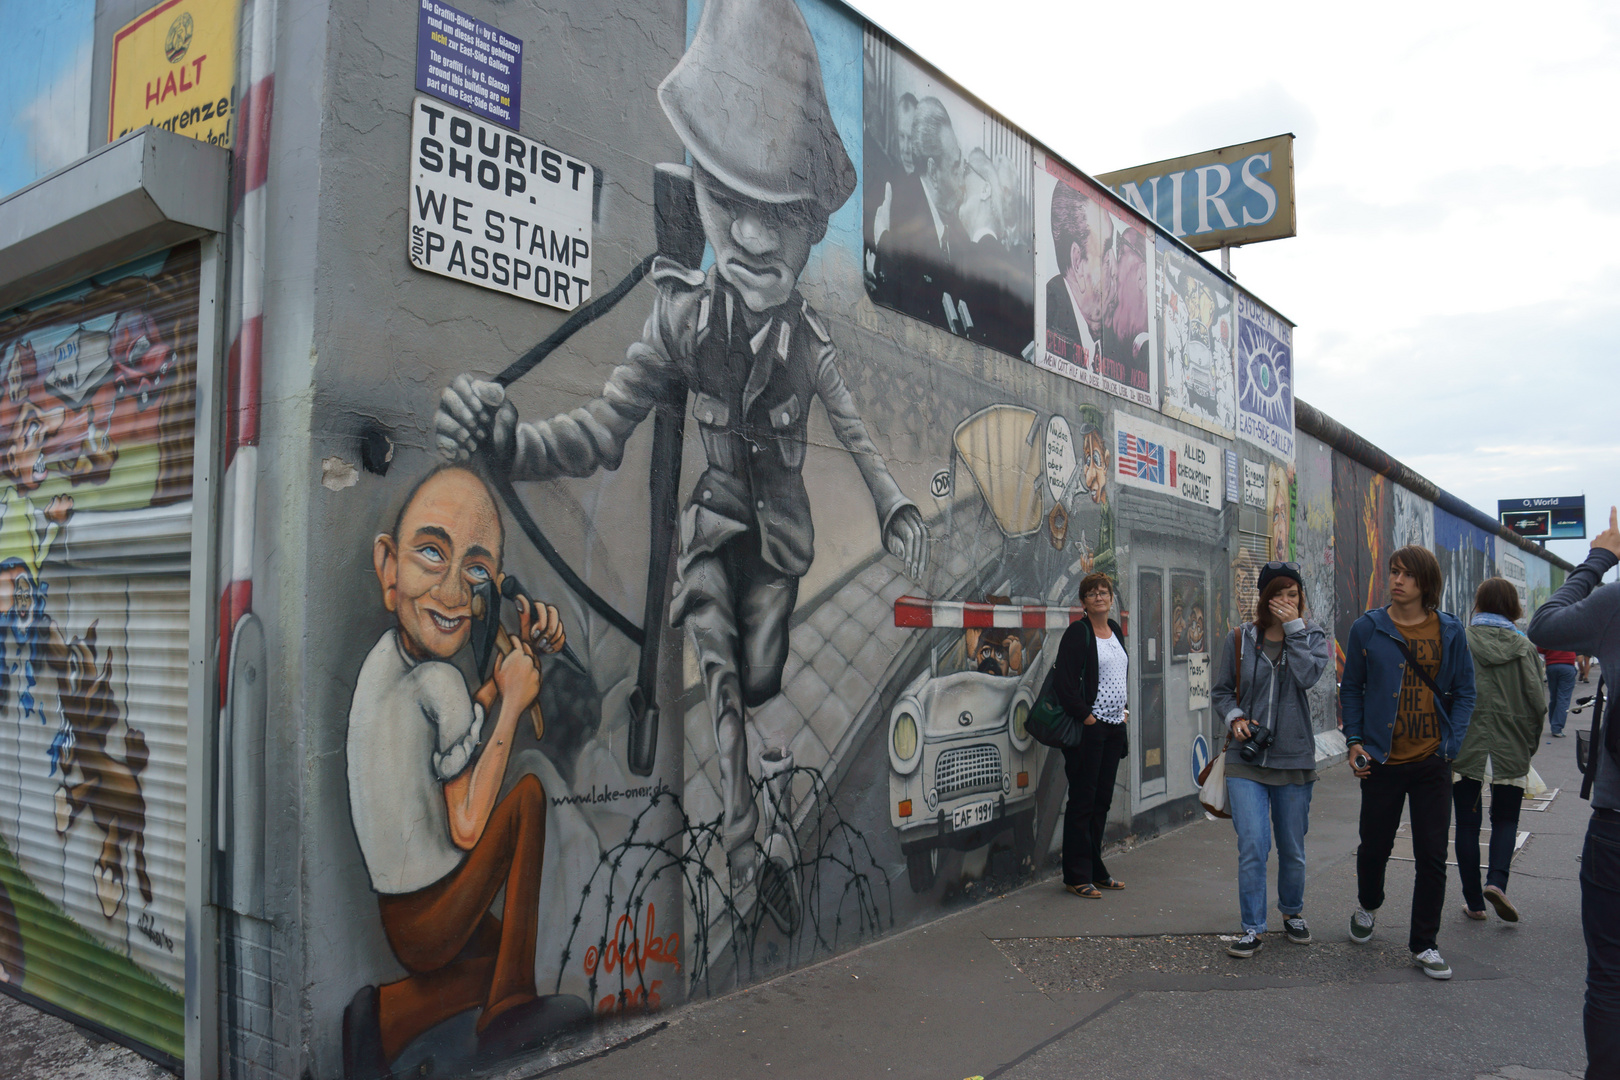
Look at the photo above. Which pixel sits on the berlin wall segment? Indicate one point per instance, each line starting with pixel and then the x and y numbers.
pixel 888 349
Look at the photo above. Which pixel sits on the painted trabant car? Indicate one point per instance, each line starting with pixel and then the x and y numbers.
pixel 963 768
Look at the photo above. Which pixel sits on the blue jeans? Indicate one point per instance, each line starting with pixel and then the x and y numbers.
pixel 1258 810
pixel 1560 684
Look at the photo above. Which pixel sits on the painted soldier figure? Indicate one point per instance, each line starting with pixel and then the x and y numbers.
pixel 770 168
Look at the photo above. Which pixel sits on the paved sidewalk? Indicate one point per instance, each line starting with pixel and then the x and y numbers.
pixel 38 1046
pixel 1039 984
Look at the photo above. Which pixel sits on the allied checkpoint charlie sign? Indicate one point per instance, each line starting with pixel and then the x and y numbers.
pixel 491 208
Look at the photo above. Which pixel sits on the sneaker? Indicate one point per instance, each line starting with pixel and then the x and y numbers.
pixel 1504 907
pixel 1433 964
pixel 1294 926
pixel 1558 734
pixel 1477 916
pixel 1361 926
pixel 1245 946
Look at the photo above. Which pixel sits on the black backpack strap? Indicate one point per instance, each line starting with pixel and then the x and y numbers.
pixel 1400 643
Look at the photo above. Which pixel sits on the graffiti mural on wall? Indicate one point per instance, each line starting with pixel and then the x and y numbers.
pixel 1314 546
pixel 1194 326
pixel 1093 315
pixel 97 400
pixel 1467 557
pixel 1362 528
pixel 948 220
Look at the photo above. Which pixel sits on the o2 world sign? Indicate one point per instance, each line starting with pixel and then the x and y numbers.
pixel 494 209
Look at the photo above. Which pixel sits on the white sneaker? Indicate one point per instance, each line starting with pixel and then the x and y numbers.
pixel 1433 964
pixel 1361 926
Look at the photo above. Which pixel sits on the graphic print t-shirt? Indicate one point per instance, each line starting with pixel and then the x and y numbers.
pixel 1417 721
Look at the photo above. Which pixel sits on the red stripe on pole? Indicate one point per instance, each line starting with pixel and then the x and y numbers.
pixel 246 353
pixel 234 602
pixel 913 611
pixel 253 140
pixel 918 613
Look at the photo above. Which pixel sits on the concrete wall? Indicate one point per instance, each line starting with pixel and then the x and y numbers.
pixel 954 425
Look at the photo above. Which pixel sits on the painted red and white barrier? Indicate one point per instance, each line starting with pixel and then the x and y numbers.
pixel 922 614
pixel 251 167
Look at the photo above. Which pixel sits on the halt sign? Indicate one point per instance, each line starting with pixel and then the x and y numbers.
pixel 497 210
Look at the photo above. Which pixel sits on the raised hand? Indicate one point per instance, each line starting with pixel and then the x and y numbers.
pixel 1609 539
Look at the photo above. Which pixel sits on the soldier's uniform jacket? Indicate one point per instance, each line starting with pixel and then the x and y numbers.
pixel 751 400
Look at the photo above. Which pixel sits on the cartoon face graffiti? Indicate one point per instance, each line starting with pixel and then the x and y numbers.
pixel 1195 628
pixel 447 543
pixel 108 787
pixel 760 248
pixel 1094 464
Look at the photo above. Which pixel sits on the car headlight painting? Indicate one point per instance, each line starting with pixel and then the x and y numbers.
pixel 905 737
pixel 1021 721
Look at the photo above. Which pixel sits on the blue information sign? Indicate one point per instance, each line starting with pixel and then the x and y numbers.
pixel 1561 518
pixel 468 63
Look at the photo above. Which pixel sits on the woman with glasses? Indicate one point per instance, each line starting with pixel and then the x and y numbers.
pixel 1267 667
pixel 1090 681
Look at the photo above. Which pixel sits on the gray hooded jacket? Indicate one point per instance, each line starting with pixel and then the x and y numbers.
pixel 1275 695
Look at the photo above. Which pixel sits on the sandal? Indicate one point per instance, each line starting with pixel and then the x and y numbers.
pixel 1088 891
pixel 1111 883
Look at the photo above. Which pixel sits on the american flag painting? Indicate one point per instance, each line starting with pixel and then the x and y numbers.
pixel 1140 458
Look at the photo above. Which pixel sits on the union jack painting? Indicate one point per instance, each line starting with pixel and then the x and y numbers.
pixel 1140 458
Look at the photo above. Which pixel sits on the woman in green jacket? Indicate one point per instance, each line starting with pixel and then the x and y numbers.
pixel 1511 704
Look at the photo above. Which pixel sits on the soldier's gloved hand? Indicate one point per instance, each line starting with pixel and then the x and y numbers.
pixel 907 540
pixel 475 416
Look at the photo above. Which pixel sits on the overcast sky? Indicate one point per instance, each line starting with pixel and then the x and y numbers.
pixel 1456 270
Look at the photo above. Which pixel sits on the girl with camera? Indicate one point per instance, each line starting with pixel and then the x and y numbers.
pixel 1266 668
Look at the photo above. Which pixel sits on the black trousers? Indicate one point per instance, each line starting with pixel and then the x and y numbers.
pixel 1600 922
pixel 1427 784
pixel 1090 768
pixel 1505 803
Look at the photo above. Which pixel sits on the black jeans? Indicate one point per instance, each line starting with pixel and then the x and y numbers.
pixel 1600 922
pixel 1505 803
pixel 1090 768
pixel 1427 784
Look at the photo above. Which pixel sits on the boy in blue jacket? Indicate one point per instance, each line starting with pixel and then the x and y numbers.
pixel 1407 695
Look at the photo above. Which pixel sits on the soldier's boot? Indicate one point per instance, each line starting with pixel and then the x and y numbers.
pixel 778 871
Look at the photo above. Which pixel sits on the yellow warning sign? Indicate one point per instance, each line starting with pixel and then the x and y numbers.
pixel 175 68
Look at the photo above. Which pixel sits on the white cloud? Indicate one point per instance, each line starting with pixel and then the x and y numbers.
pixel 57 121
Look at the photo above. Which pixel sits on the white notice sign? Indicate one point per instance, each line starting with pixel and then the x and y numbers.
pixel 494 209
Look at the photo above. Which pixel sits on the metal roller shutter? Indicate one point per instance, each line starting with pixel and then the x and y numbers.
pixel 97 410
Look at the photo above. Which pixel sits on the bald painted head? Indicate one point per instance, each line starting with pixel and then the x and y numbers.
pixel 446 542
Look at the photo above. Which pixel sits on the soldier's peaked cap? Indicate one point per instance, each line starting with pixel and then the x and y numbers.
pixel 748 102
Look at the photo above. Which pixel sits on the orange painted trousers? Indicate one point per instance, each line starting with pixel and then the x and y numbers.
pixel 459 955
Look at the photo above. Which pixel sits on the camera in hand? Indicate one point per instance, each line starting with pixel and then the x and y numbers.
pixel 1260 737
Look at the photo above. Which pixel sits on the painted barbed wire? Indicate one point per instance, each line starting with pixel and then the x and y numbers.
pixel 838 846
